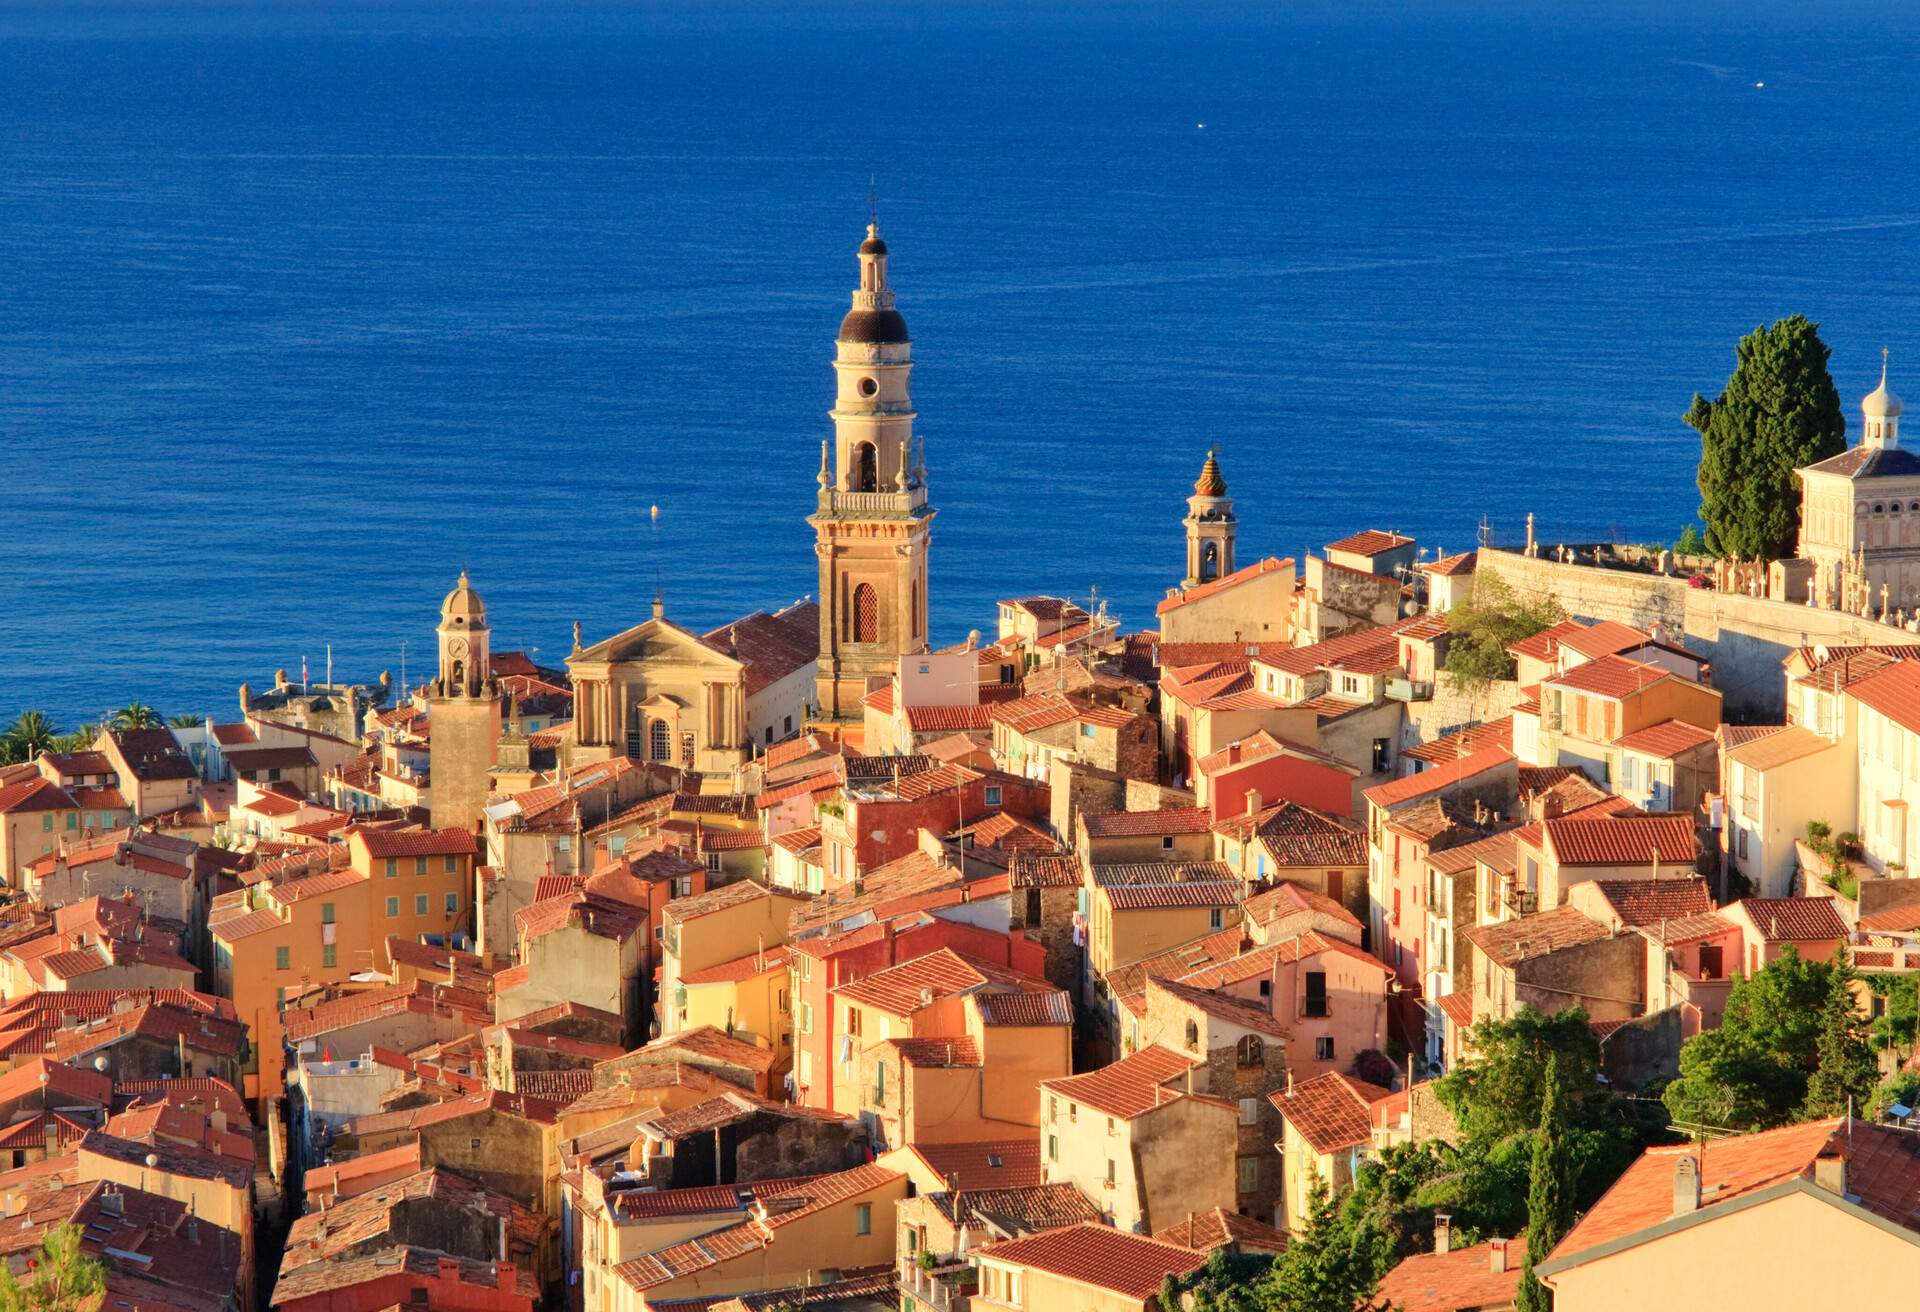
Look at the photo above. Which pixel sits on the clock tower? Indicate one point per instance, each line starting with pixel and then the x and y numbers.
pixel 872 524
pixel 463 713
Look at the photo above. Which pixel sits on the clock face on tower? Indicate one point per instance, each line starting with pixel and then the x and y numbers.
pixel 457 647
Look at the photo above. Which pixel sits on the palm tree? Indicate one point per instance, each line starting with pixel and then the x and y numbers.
pixel 78 741
pixel 185 721
pixel 32 733
pixel 135 715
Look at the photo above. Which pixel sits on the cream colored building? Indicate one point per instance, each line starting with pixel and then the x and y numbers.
pixel 1860 517
pixel 873 522
pixel 658 692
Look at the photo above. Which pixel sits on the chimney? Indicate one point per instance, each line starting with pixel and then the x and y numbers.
pixel 1686 1185
pixel 1497 1256
pixel 1443 1233
pixel 1253 801
pixel 1830 1173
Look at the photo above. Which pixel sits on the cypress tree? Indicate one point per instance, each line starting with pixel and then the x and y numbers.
pixel 1847 1070
pixel 1779 411
pixel 1549 1209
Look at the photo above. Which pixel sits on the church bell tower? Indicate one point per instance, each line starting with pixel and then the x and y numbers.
pixel 463 713
pixel 872 523
pixel 1210 526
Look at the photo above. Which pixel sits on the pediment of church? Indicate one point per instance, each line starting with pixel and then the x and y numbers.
pixel 656 641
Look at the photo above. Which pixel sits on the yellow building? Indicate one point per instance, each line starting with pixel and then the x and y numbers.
pixel 713 928
pixel 1136 1141
pixel 1330 1121
pixel 1133 921
pixel 1818 1215
pixel 1089 1268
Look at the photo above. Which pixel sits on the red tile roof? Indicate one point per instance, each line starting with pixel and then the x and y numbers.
pixel 1369 542
pixel 1463 1280
pixel 1021 1010
pixel 1508 942
pixel 1401 791
pixel 1160 897
pixel 1259 569
pixel 34 794
pixel 1100 1256
pixel 1620 840
pixel 1168 820
pixel 1667 739
pixel 770 646
pixel 1650 901
pixel 1609 676
pixel 740 969
pixel 1894 692
pixel 1331 1111
pixel 1794 919
pixel 1449 566
pixel 1220 1228
pixel 1883 1173
pixel 1127 1087
pixel 415 842
pixel 992 1164
pixel 904 988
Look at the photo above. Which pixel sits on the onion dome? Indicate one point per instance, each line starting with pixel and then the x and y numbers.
pixel 874 327
pixel 1210 482
pixel 463 605
pixel 1881 403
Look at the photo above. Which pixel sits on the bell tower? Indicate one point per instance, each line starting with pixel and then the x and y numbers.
pixel 872 522
pixel 1210 526
pixel 463 713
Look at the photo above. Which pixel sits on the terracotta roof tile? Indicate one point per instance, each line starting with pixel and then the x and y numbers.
pixel 1621 841
pixel 1169 820
pixel 1331 1111
pixel 1129 1087
pixel 1101 1256
pixel 1220 1228
pixel 1508 942
pixel 989 1164
pixel 1609 676
pixel 1259 569
pixel 1794 919
pixel 1414 787
pixel 1667 739
pixel 1649 901
pixel 1463 1280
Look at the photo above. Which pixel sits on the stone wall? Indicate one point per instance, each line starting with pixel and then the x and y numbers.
pixel 1644 1049
pixel 1746 638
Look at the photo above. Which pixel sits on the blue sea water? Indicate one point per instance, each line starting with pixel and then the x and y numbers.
pixel 303 308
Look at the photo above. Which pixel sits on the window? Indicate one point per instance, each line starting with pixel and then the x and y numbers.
pixel 419 865
pixel 393 906
pixel 393 866
pixel 806 1018
pixel 326 913
pixel 420 904
pixel 1316 993
pixel 713 863
pixel 283 958
pixel 1216 919
pixel 46 823
pixel 453 904
pixel 659 741
pixel 73 819
pixel 1053 1108
pixel 1323 1048
pixel 1193 1036
pixel 1249 1175
pixel 1249 1111
pixel 329 955
pixel 1111 1128
pixel 788 727
pixel 863 620
pixel 1111 1174
pixel 993 794
pixel 451 866
pixel 1249 1051
pixel 863 1218
pixel 853 1021
pixel 1053 1148
pixel 1166 842
pixel 879 1086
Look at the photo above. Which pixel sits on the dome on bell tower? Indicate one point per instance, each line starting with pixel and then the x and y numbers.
pixel 873 321
pixel 1881 402
pixel 1211 482
pixel 463 607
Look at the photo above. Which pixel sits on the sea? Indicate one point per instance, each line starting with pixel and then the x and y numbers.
pixel 304 308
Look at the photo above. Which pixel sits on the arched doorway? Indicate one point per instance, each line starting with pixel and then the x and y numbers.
pixel 866 468
pixel 1209 561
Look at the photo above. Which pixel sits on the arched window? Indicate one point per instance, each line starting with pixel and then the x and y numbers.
pixel 866 614
pixel 1209 561
pixel 1193 1036
pixel 459 673
pixel 659 741
pixel 866 468
pixel 913 606
pixel 1250 1051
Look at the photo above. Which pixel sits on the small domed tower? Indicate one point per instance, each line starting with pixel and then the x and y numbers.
pixel 463 712
pixel 1880 413
pixel 464 644
pixel 1210 526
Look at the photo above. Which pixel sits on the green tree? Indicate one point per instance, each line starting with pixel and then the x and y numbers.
pixel 64 1279
pixel 31 733
pixel 1501 1091
pixel 1780 411
pixel 77 741
pixel 185 721
pixel 1482 630
pixel 1902 1087
pixel 135 715
pixel 1845 1069
pixel 1549 1209
pixel 1752 1071
pixel 1330 1266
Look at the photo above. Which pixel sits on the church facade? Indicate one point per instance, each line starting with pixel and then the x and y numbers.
pixel 872 523
pixel 1860 518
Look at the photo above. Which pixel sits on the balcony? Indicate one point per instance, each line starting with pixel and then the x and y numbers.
pixel 946 1288
pixel 1409 690
pixel 870 505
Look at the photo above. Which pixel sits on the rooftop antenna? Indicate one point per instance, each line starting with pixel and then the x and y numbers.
pixel 873 207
